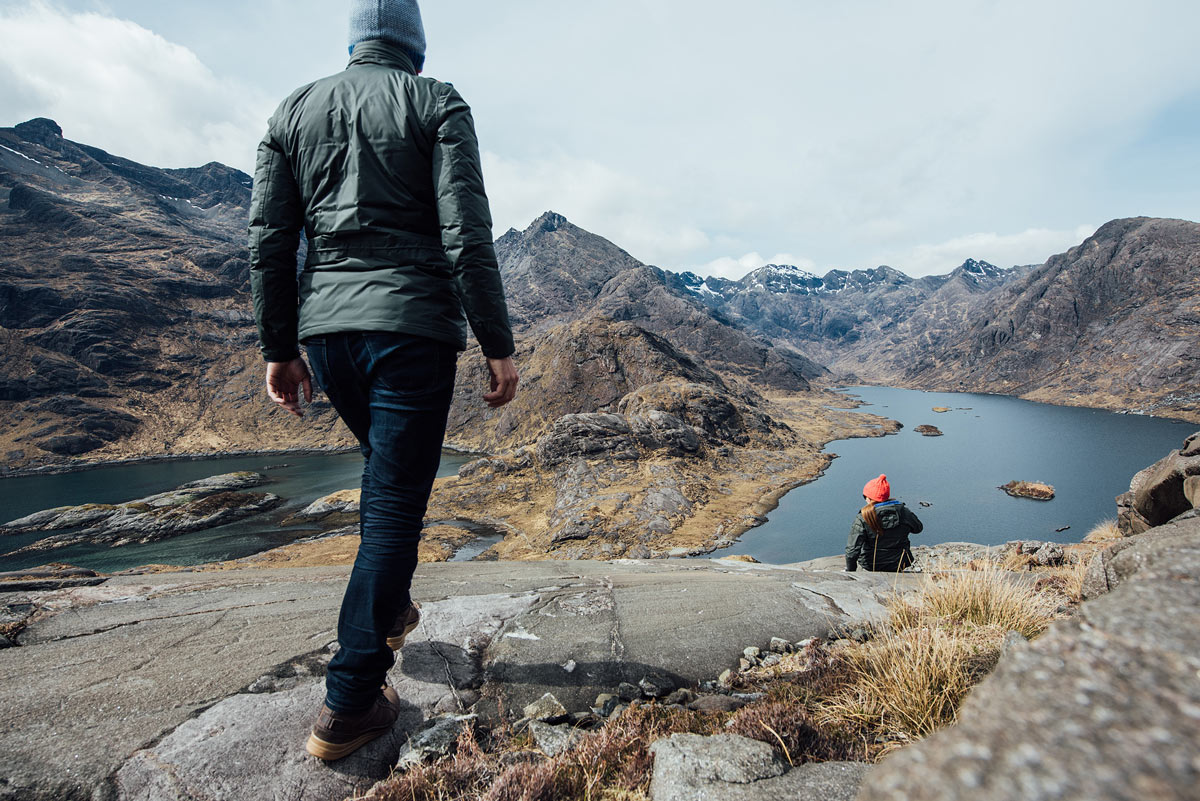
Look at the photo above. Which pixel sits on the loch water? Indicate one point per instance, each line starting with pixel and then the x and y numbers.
pixel 1088 455
pixel 297 478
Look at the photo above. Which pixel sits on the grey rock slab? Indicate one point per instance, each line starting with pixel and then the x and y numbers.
pixel 252 746
pixel 217 757
pixel 85 692
pixel 440 660
pixel 106 671
pixel 687 621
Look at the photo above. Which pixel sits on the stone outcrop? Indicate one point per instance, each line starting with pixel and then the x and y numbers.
pixel 1162 491
pixel 1103 706
pixel 194 506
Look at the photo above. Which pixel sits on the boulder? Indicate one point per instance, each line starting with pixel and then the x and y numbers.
pixel 1166 549
pixel 728 767
pixel 1157 494
pixel 1191 491
pixel 553 740
pixel 546 709
pixel 437 739
pixel 686 766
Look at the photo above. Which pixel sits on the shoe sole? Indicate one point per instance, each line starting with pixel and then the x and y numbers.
pixel 397 642
pixel 330 752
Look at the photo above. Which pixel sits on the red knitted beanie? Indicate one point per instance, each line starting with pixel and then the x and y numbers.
pixel 878 489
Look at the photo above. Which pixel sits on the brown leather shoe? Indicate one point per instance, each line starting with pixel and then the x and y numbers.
pixel 336 735
pixel 406 621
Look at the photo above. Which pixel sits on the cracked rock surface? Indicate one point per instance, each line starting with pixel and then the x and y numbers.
pixel 204 685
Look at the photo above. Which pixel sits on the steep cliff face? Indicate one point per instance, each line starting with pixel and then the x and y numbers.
pixel 1112 322
pixel 125 322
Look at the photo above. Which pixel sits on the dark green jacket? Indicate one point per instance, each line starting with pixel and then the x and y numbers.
pixel 888 551
pixel 380 169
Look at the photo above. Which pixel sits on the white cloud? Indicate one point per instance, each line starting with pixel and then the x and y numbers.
pixel 690 131
pixel 114 84
pixel 1032 246
pixel 613 204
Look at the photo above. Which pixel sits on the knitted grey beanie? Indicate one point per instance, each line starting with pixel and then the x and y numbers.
pixel 397 21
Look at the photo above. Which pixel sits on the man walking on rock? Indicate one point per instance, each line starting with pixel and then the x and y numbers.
pixel 380 168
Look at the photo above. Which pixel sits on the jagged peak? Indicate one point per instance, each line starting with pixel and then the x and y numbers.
pixel 549 221
pixel 789 270
pixel 979 267
pixel 39 130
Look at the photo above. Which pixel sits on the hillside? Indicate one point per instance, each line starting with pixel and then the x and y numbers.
pixel 124 314
pixel 1112 323
pixel 127 330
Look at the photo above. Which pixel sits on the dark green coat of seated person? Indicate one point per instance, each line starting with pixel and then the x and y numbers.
pixel 879 537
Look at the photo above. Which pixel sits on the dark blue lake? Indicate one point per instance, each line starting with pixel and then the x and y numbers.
pixel 299 479
pixel 1088 455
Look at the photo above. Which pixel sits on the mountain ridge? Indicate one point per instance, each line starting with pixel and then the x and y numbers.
pixel 126 287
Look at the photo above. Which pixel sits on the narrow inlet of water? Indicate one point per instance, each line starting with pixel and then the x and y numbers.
pixel 297 478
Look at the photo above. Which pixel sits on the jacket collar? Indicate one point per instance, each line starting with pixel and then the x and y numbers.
pixel 381 51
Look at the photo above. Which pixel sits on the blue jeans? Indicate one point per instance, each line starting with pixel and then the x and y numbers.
pixel 393 391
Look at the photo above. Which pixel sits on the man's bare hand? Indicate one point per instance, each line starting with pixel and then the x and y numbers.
pixel 284 380
pixel 504 381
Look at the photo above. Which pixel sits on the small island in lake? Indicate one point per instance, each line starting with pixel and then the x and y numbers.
pixel 928 431
pixel 1029 489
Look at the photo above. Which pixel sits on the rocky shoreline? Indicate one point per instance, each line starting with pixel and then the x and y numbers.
pixel 83 465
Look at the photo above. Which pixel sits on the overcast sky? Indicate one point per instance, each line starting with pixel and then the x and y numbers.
pixel 711 136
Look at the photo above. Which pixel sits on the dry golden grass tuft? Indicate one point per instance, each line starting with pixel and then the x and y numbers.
pixel 1104 531
pixel 907 683
pixel 990 597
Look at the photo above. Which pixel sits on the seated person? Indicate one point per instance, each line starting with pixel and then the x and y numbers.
pixel 879 537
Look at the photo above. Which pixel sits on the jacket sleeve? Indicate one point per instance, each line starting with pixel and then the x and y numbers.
pixel 854 545
pixel 914 522
pixel 466 223
pixel 276 217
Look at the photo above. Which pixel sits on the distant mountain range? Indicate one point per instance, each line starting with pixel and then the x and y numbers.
pixel 127 328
